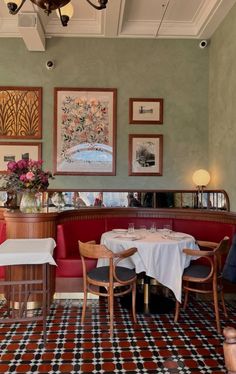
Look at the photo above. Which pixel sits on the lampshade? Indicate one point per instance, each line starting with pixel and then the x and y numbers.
pixel 66 13
pixel 201 177
pixel 66 10
pixel 17 2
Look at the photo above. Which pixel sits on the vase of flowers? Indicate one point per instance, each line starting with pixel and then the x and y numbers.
pixel 27 177
pixel 30 202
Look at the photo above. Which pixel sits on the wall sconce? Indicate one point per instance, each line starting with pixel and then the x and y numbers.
pixel 201 179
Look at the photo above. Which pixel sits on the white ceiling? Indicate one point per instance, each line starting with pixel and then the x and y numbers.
pixel 196 19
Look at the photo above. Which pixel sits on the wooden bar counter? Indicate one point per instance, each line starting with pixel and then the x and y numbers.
pixel 30 226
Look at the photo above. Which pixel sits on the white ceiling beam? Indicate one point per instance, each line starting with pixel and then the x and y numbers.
pixel 111 18
pixel 31 30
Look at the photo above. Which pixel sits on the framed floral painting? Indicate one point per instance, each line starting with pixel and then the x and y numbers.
pixel 145 154
pixel 85 131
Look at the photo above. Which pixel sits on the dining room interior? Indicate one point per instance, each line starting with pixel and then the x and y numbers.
pixel 117 130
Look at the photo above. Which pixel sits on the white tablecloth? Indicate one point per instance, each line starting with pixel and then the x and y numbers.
pixel 159 255
pixel 27 251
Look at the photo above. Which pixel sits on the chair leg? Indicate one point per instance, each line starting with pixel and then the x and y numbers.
pixel 216 307
pixel 177 310
pixel 134 302
pixel 84 304
pixel 111 309
pixel 223 304
pixel 186 293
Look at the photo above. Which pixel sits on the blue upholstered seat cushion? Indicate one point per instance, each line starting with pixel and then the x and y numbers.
pixel 197 271
pixel 102 273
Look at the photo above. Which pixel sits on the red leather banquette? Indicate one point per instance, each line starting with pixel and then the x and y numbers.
pixel 90 227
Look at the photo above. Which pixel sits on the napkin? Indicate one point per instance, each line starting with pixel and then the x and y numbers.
pixel 127 237
pixel 177 236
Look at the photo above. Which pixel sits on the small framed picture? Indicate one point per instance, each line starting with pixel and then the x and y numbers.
pixel 146 111
pixel 145 154
pixel 18 151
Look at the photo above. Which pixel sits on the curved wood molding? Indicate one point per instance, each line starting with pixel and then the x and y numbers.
pixel 41 225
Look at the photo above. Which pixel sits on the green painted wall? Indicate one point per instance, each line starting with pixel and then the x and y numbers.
pixel 176 70
pixel 222 107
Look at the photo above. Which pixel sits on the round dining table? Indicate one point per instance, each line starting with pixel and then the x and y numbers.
pixel 159 254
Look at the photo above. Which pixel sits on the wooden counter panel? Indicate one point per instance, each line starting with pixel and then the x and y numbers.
pixel 38 225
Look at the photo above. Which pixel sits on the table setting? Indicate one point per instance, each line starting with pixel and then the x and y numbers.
pixel 142 233
pixel 159 252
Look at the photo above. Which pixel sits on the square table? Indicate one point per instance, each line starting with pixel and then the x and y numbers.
pixel 28 273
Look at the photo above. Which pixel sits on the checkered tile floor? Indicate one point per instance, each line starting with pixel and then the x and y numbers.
pixel 154 345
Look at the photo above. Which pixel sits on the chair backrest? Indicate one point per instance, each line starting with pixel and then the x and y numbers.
pixel 220 250
pixel 92 250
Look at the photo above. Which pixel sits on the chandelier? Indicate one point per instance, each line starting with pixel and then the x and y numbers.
pixel 64 8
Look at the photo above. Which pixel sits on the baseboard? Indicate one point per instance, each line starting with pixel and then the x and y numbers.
pixel 73 295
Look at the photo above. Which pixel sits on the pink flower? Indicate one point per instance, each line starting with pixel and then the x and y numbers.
pixel 21 164
pixel 23 177
pixel 30 176
pixel 11 165
pixel 26 175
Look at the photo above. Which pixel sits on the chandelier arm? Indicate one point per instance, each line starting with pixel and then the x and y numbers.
pixel 63 18
pixel 14 12
pixel 103 4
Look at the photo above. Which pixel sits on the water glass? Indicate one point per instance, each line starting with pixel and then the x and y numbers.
pixel 167 228
pixel 153 227
pixel 142 230
pixel 131 228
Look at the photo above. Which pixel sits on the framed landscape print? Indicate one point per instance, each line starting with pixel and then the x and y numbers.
pixel 149 111
pixel 85 131
pixel 18 151
pixel 20 112
pixel 145 154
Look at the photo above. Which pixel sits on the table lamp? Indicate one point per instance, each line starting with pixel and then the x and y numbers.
pixel 201 179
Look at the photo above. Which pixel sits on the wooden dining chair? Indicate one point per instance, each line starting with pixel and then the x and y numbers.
pixel 109 281
pixel 205 277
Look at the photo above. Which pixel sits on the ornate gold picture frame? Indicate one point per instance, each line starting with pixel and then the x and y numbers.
pixel 20 112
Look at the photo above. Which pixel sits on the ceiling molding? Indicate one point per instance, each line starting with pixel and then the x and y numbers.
pixel 128 19
pixel 89 27
pixel 211 20
pixel 8 28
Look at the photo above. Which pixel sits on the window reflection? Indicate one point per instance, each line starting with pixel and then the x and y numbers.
pixel 192 199
pixel 89 199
